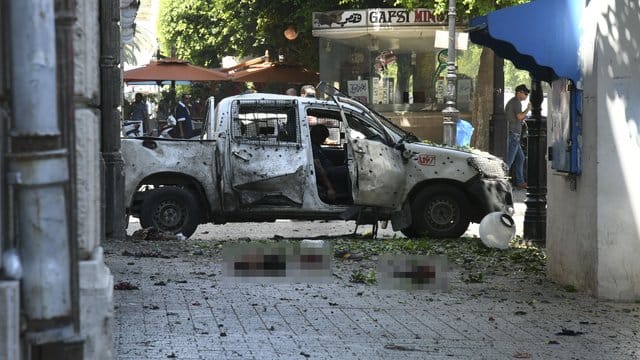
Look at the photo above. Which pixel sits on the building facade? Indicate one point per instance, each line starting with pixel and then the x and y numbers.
pixel 586 51
pixel 60 91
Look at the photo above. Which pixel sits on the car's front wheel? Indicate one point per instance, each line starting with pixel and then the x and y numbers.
pixel 170 209
pixel 438 211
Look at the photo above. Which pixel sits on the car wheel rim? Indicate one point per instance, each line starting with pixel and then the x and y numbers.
pixel 442 214
pixel 169 215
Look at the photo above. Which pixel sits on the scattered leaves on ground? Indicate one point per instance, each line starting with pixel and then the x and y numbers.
pixel 363 277
pixel 469 254
pixel 355 257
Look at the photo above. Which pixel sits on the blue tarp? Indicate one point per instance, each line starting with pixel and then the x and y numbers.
pixel 542 37
pixel 464 131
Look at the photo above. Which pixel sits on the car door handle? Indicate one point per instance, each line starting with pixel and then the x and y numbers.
pixel 243 157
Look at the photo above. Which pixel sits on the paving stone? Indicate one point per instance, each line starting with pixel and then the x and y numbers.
pixel 208 317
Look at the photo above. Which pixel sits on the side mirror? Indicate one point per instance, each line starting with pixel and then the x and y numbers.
pixel 406 155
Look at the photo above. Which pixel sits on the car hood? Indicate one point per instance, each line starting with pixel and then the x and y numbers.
pixel 441 155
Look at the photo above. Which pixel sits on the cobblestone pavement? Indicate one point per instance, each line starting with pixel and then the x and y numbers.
pixel 184 309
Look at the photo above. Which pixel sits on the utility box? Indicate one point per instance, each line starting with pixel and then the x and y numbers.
pixel 564 122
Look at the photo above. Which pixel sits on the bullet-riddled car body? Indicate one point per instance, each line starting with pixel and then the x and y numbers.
pixel 254 162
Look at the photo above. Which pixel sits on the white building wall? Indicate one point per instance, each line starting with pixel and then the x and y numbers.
pixel 593 231
pixel 617 80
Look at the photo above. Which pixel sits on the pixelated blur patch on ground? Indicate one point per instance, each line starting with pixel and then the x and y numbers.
pixel 306 260
pixel 357 258
pixel 469 255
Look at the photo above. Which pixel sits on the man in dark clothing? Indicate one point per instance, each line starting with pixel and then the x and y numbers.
pixel 515 117
pixel 140 112
pixel 332 179
pixel 184 128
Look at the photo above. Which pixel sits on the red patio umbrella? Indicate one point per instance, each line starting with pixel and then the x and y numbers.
pixel 172 70
pixel 276 73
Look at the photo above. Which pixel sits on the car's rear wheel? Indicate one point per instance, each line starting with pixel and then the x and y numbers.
pixel 170 209
pixel 438 211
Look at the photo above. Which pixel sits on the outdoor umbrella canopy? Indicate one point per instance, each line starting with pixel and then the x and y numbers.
pixel 276 73
pixel 172 70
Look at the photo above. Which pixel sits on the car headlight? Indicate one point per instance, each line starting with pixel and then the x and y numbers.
pixel 489 167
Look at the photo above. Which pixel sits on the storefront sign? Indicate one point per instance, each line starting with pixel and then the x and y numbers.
pixel 375 18
pixel 359 90
pixel 339 18
pixel 382 89
pixel 399 17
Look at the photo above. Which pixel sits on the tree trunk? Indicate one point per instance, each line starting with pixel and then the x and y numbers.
pixel 483 101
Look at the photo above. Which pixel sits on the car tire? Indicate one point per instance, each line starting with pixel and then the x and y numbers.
pixel 438 212
pixel 170 209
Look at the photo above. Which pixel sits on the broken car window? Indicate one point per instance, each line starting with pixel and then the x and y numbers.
pixel 359 126
pixel 273 122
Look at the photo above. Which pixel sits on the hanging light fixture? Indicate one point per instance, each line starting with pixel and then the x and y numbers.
pixel 290 33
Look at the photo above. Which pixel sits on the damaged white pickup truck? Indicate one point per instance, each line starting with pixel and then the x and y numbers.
pixel 254 163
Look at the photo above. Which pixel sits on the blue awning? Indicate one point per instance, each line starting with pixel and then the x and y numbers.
pixel 542 37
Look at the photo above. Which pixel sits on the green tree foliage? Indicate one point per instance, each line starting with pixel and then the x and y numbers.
pixel 465 8
pixel 203 31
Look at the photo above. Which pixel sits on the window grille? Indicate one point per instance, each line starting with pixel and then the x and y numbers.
pixel 273 122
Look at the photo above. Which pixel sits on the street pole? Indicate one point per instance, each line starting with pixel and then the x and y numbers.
pixel 535 217
pixel 450 114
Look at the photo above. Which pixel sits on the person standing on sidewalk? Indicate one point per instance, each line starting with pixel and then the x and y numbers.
pixel 183 119
pixel 515 117
pixel 140 112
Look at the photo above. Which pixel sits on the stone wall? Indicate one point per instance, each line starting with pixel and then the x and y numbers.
pixel 96 281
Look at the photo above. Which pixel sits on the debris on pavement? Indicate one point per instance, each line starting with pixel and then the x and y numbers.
pixel 125 285
pixel 150 254
pixel 152 233
pixel 569 332
pixel 400 347
pixel 522 355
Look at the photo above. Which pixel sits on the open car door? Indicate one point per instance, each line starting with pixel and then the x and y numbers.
pixel 377 170
pixel 265 159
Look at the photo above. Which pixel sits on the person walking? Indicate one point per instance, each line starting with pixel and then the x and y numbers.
pixel 515 118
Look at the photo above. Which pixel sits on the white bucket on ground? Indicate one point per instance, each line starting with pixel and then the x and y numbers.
pixel 497 229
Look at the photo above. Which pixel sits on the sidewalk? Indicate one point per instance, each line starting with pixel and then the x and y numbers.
pixel 183 309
